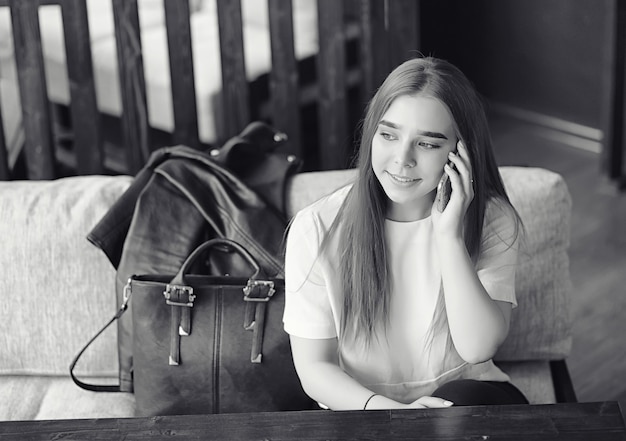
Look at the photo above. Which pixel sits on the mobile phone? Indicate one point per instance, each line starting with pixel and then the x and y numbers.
pixel 444 191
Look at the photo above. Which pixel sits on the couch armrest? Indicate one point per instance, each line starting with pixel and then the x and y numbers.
pixel 541 325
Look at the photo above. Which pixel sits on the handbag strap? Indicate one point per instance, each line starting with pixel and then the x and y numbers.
pixel 101 387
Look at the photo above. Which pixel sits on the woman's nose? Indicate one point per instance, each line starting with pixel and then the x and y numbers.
pixel 405 156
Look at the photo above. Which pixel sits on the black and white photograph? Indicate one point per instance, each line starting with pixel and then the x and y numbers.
pixel 313 219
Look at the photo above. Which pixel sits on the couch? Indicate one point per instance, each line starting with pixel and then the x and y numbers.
pixel 58 290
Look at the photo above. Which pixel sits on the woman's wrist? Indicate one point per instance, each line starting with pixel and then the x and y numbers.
pixel 368 401
pixel 447 241
pixel 381 402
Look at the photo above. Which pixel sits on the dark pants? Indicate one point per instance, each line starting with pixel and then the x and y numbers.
pixel 477 393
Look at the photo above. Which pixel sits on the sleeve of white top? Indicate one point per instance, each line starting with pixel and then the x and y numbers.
pixel 308 312
pixel 497 260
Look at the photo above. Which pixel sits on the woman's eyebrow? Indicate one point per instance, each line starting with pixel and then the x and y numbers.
pixel 426 133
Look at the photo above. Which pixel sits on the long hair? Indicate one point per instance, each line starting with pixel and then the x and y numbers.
pixel 364 270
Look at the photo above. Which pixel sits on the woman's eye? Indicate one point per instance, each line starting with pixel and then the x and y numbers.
pixel 387 136
pixel 428 145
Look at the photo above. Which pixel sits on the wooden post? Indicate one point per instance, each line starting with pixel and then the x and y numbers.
pixel 38 144
pixel 135 125
pixel 390 36
pixel 331 76
pixel 375 62
pixel 181 72
pixel 235 93
pixel 284 75
pixel 402 28
pixel 84 110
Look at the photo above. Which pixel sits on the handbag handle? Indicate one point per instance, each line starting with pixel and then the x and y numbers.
pixel 180 324
pixel 180 276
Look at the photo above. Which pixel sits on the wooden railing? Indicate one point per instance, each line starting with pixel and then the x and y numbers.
pixel 378 34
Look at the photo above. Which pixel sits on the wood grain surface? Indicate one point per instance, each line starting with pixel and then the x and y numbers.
pixel 571 421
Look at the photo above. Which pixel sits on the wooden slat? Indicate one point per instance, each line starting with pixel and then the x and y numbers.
pixel 135 126
pixel 284 74
pixel 39 146
pixel 235 93
pixel 614 92
pixel 181 72
pixel 402 27
pixel 84 110
pixel 4 154
pixel 375 63
pixel 331 69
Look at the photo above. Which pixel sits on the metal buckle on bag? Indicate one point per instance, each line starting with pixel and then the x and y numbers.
pixel 125 298
pixel 259 295
pixel 127 292
pixel 177 292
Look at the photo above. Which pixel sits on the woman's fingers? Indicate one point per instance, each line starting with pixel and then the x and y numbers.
pixel 456 179
pixel 461 161
pixel 433 402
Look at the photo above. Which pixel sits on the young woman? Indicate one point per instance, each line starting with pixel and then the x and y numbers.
pixel 392 303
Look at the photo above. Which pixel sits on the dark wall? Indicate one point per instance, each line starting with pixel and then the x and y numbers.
pixel 547 56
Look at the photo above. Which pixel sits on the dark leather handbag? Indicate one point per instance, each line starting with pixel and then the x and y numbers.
pixel 196 195
pixel 208 344
pixel 212 344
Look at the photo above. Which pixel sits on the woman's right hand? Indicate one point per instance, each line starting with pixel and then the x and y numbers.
pixel 427 402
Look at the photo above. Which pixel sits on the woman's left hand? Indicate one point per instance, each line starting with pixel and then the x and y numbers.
pixel 450 221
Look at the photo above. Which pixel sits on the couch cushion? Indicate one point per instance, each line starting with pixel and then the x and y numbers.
pixel 21 397
pixel 540 326
pixel 47 398
pixel 58 289
pixel 63 400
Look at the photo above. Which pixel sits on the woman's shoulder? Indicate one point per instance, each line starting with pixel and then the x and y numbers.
pixel 501 221
pixel 498 209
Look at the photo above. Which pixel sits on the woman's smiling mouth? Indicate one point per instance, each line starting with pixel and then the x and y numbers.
pixel 402 179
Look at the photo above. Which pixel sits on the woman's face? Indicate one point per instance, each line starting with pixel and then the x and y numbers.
pixel 409 150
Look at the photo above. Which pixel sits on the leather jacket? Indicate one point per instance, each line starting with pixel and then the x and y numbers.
pixel 249 158
pixel 183 197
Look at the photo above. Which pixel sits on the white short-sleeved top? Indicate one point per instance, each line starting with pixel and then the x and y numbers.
pixel 396 364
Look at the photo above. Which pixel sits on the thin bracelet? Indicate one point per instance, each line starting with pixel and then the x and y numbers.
pixel 368 401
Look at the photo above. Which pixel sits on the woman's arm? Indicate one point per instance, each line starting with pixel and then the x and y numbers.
pixel 478 324
pixel 322 378
pixel 317 365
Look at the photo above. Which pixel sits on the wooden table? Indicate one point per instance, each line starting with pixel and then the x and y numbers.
pixel 570 421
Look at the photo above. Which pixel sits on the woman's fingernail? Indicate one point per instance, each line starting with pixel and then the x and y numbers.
pixel 448 403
